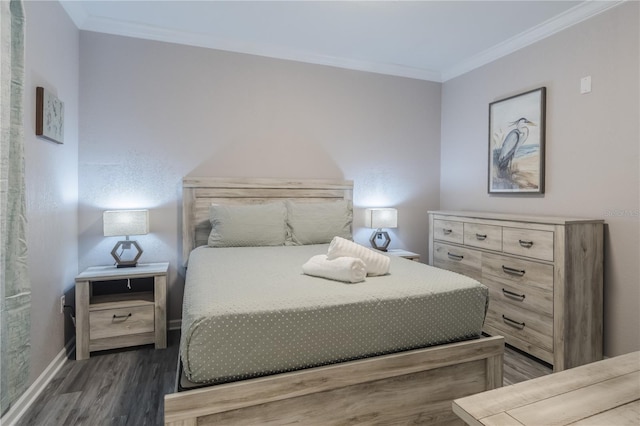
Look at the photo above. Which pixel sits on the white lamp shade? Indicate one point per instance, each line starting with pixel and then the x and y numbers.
pixel 125 222
pixel 381 218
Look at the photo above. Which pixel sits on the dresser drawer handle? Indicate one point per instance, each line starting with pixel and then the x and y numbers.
pixel 512 323
pixel 121 316
pixel 481 237
pixel 455 256
pixel 513 295
pixel 526 244
pixel 512 271
pixel 446 231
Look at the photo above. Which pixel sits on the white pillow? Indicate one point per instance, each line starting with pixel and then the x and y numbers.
pixel 318 223
pixel 248 225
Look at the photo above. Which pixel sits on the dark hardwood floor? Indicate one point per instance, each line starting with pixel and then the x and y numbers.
pixel 118 387
pixel 519 367
pixel 127 386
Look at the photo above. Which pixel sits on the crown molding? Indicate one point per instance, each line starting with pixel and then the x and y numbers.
pixel 76 11
pixel 573 16
pixel 148 32
pixel 84 21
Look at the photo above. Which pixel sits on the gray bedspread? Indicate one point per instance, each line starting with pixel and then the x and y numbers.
pixel 250 311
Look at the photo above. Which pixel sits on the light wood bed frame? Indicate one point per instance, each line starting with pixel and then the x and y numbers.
pixel 408 387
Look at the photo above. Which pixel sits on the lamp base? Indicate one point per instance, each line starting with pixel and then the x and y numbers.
pixel 379 235
pixel 126 265
pixel 126 244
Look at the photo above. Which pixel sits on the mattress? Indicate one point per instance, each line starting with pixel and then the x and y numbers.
pixel 250 311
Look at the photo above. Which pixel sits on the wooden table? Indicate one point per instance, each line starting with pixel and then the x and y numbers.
pixel 121 318
pixel 601 393
pixel 404 253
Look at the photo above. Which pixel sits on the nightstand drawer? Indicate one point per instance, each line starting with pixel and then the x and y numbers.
pixel 448 230
pixel 528 242
pixel 122 321
pixel 458 259
pixel 483 236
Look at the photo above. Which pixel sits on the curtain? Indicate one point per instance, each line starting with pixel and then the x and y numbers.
pixel 15 297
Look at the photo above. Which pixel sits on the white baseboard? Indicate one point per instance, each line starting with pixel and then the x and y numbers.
pixel 23 403
pixel 175 324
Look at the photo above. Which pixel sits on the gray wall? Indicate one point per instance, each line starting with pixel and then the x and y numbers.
pixel 51 61
pixel 152 113
pixel 592 146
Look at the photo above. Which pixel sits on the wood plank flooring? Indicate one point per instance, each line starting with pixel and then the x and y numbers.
pixel 519 367
pixel 127 386
pixel 117 387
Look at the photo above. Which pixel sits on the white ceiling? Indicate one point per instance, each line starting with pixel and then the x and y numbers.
pixel 430 40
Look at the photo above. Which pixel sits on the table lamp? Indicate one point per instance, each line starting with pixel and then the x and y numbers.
pixel 381 218
pixel 125 223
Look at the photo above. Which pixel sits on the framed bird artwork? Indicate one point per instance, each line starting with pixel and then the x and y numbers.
pixel 516 143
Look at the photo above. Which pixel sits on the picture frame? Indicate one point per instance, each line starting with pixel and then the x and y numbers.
pixel 517 143
pixel 49 116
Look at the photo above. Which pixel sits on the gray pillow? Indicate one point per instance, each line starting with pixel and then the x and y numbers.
pixel 318 223
pixel 247 225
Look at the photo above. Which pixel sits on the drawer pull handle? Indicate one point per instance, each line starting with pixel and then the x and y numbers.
pixel 446 231
pixel 481 237
pixel 455 256
pixel 526 244
pixel 512 323
pixel 512 271
pixel 513 295
pixel 121 316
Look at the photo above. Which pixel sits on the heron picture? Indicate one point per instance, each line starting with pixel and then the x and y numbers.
pixel 516 143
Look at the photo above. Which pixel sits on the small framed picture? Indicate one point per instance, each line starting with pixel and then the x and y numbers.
pixel 49 116
pixel 516 143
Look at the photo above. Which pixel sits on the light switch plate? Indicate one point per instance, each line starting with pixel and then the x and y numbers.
pixel 585 85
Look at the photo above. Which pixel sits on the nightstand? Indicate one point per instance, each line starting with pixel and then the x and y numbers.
pixel 404 253
pixel 111 314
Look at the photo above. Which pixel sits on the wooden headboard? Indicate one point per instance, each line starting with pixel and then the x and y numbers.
pixel 198 193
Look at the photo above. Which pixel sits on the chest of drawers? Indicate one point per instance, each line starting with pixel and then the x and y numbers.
pixel 544 274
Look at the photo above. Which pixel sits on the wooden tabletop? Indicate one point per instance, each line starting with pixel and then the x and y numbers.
pixel 111 272
pixel 601 393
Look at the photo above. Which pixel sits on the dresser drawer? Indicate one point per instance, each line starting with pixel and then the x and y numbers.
pixel 518 273
pixel 121 321
pixel 448 230
pixel 458 259
pixel 531 298
pixel 483 236
pixel 528 242
pixel 522 324
pixel 522 283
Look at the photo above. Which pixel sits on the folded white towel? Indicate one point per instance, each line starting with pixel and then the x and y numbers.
pixel 345 269
pixel 375 262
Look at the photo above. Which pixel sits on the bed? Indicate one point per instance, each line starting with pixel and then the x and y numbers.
pixel 389 381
